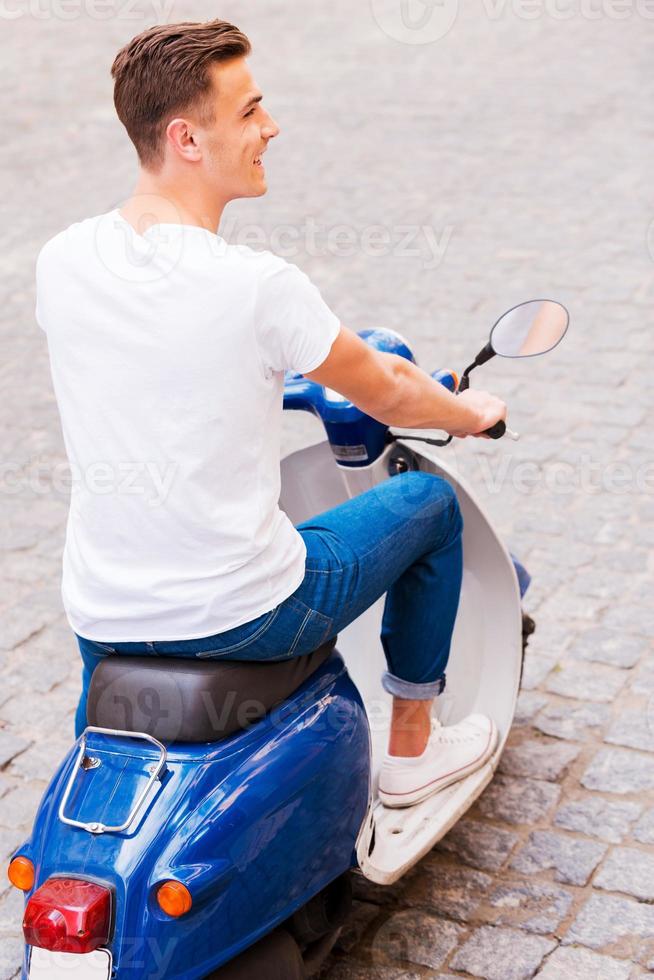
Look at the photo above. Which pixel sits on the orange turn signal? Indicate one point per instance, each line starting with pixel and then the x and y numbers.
pixel 21 873
pixel 174 898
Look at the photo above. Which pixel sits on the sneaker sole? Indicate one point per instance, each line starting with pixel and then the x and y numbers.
pixel 397 800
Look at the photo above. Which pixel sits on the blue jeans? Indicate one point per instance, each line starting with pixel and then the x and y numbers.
pixel 402 538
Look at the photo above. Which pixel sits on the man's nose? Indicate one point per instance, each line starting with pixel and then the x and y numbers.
pixel 269 128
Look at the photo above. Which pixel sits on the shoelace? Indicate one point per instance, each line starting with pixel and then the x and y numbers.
pixel 449 735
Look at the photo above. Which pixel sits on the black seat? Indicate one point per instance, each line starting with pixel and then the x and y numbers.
pixel 183 700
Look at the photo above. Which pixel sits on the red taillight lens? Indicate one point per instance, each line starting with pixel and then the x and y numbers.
pixel 68 915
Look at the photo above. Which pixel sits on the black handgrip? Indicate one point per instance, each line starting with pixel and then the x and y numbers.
pixel 496 431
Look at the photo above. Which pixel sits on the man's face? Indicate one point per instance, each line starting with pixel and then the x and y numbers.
pixel 233 143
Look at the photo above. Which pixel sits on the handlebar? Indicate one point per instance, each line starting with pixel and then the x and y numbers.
pixel 496 431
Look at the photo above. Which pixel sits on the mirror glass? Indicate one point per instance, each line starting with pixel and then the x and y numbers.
pixel 529 329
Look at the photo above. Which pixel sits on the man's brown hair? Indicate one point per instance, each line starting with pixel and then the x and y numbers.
pixel 164 71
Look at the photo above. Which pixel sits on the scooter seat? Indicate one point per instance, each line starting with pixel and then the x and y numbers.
pixel 182 700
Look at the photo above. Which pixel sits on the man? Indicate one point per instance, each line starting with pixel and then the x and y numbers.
pixel 168 351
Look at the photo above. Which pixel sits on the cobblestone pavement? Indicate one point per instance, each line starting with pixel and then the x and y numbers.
pixel 503 160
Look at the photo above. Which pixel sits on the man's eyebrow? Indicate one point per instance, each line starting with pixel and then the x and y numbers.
pixel 253 101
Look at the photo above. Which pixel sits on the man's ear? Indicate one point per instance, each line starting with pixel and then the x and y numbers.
pixel 180 136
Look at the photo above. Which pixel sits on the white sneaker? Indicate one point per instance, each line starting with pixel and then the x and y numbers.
pixel 452 753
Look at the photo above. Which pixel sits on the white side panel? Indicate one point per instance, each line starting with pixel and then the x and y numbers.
pixel 484 667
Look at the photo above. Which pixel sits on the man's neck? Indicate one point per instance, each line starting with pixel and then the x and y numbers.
pixel 156 200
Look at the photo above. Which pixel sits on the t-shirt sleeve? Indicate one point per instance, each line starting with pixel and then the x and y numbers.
pixel 295 327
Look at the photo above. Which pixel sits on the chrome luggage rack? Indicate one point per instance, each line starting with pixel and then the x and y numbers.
pixel 156 771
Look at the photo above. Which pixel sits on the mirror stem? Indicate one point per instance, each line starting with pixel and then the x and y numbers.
pixel 484 355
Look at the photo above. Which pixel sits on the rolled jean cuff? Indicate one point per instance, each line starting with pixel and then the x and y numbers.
pixel 400 688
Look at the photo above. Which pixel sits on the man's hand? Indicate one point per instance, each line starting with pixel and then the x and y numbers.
pixel 393 390
pixel 483 411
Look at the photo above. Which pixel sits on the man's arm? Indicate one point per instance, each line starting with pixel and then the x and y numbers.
pixel 393 390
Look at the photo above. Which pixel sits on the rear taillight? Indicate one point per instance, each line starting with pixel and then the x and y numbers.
pixel 68 915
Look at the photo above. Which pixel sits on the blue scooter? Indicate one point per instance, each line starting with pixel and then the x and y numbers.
pixel 207 822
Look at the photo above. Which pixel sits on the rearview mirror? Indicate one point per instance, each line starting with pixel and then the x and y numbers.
pixel 530 329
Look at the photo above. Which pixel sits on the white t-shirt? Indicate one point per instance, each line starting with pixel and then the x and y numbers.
pixel 168 353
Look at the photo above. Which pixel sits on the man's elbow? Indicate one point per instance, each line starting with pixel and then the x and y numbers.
pixel 385 404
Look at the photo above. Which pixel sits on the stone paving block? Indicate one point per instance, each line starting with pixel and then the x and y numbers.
pixel 644 829
pixel 23 620
pixel 501 954
pixel 28 568
pixel 570 608
pixel 517 801
pixel 619 771
pixel 632 560
pixel 552 636
pixel 598 817
pixel 628 870
pixel 536 669
pixel 18 807
pixel 565 553
pixel 447 889
pixel 413 936
pixel 538 759
pixel 642 681
pixel 362 914
pixel 37 674
pixel 12 905
pixel 571 721
pixel 40 761
pixel 601 583
pixel 634 729
pixel 528 705
pixel 351 970
pixel 572 858
pixel 618 925
pixel 478 844
pixel 25 717
pixel 613 647
pixel 586 682
pixel 11 952
pixel 567 962
pixel 19 538
pixel 10 839
pixel 532 906
pixel 631 618
pixel 10 746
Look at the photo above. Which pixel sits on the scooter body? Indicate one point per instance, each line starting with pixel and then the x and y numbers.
pixel 259 823
pixel 254 826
